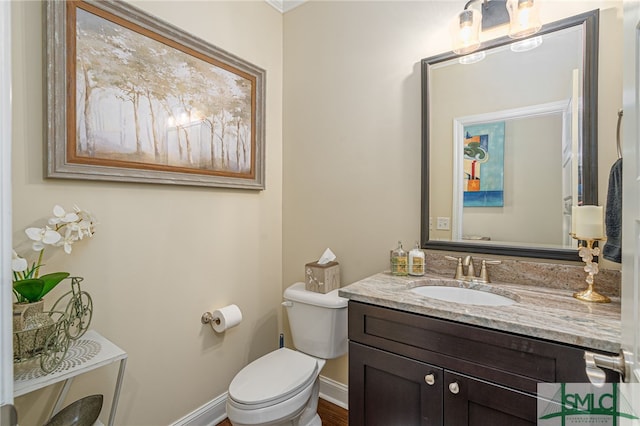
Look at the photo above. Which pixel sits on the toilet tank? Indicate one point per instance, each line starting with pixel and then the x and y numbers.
pixel 318 321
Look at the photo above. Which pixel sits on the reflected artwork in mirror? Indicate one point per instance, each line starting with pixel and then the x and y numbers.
pixel 510 142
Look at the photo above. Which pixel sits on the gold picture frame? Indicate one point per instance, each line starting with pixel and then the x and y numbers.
pixel 134 99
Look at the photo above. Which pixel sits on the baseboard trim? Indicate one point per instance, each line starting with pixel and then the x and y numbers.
pixel 214 411
pixel 334 392
pixel 209 414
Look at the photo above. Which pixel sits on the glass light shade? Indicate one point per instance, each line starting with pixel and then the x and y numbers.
pixel 524 18
pixel 465 31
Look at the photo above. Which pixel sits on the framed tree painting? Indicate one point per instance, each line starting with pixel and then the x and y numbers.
pixel 132 98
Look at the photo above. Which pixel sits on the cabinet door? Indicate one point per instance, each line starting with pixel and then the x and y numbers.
pixel 387 389
pixel 473 402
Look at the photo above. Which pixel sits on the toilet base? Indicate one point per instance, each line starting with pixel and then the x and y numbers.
pixel 315 421
pixel 310 415
pixel 307 416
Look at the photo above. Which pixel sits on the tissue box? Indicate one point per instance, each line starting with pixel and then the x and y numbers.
pixel 322 278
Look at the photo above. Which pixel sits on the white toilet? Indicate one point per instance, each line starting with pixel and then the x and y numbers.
pixel 281 388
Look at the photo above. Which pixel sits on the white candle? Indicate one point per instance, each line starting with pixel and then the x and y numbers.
pixel 589 222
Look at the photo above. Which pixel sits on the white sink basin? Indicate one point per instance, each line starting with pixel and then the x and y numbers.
pixel 467 296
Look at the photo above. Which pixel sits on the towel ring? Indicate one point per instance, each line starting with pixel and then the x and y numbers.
pixel 620 113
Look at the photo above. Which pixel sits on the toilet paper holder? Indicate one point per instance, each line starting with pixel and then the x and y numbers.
pixel 223 318
pixel 208 318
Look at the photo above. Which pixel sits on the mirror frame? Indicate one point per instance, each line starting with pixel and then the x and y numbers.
pixel 590 22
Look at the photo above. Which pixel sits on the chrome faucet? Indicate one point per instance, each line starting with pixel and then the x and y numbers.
pixel 470 274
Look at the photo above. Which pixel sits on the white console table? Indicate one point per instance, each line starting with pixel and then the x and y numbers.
pixel 89 352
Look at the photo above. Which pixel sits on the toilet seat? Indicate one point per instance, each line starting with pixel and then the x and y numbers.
pixel 273 378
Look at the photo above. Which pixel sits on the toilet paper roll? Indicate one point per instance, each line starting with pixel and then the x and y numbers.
pixel 225 318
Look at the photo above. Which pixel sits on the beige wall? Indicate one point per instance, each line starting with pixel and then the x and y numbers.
pixel 531 189
pixel 352 126
pixel 163 255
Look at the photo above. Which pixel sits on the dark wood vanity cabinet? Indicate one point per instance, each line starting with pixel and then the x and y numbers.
pixel 480 403
pixel 388 389
pixel 409 369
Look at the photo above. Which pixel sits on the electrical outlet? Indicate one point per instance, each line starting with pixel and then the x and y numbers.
pixel 442 223
pixel 430 224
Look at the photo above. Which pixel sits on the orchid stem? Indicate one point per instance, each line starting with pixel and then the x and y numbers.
pixel 37 273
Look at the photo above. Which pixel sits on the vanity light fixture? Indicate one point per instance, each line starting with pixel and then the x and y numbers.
pixel 465 31
pixel 522 16
pixel 524 19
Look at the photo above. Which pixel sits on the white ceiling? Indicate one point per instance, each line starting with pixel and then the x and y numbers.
pixel 285 5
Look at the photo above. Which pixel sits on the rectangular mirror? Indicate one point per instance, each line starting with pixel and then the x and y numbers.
pixel 510 142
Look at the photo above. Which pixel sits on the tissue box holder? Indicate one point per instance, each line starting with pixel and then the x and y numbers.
pixel 321 278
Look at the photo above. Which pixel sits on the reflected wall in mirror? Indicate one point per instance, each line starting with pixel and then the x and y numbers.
pixel 545 99
pixel 537 166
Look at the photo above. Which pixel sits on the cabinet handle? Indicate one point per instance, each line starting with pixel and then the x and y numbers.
pixel 430 379
pixel 454 388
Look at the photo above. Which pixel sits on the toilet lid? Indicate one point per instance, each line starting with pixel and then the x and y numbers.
pixel 274 377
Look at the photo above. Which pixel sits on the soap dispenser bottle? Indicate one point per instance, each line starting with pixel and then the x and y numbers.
pixel 399 260
pixel 416 261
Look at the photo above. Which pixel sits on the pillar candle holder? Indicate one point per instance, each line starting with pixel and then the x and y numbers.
pixel 587 251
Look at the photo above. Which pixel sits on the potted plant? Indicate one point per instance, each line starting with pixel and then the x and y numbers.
pixel 29 287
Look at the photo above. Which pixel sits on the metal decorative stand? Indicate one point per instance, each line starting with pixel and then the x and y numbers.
pixel 587 251
pixel 48 339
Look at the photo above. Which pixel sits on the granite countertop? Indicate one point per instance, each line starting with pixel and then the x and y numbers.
pixel 546 313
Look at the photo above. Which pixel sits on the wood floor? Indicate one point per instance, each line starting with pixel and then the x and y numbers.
pixel 331 415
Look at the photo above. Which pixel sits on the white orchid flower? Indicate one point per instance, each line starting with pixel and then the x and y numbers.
pixel 84 228
pixel 42 236
pixel 83 213
pixel 62 230
pixel 18 264
pixel 69 238
pixel 61 216
pixel 87 221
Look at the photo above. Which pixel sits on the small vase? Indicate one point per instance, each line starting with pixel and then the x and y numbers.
pixel 31 328
pixel 22 311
